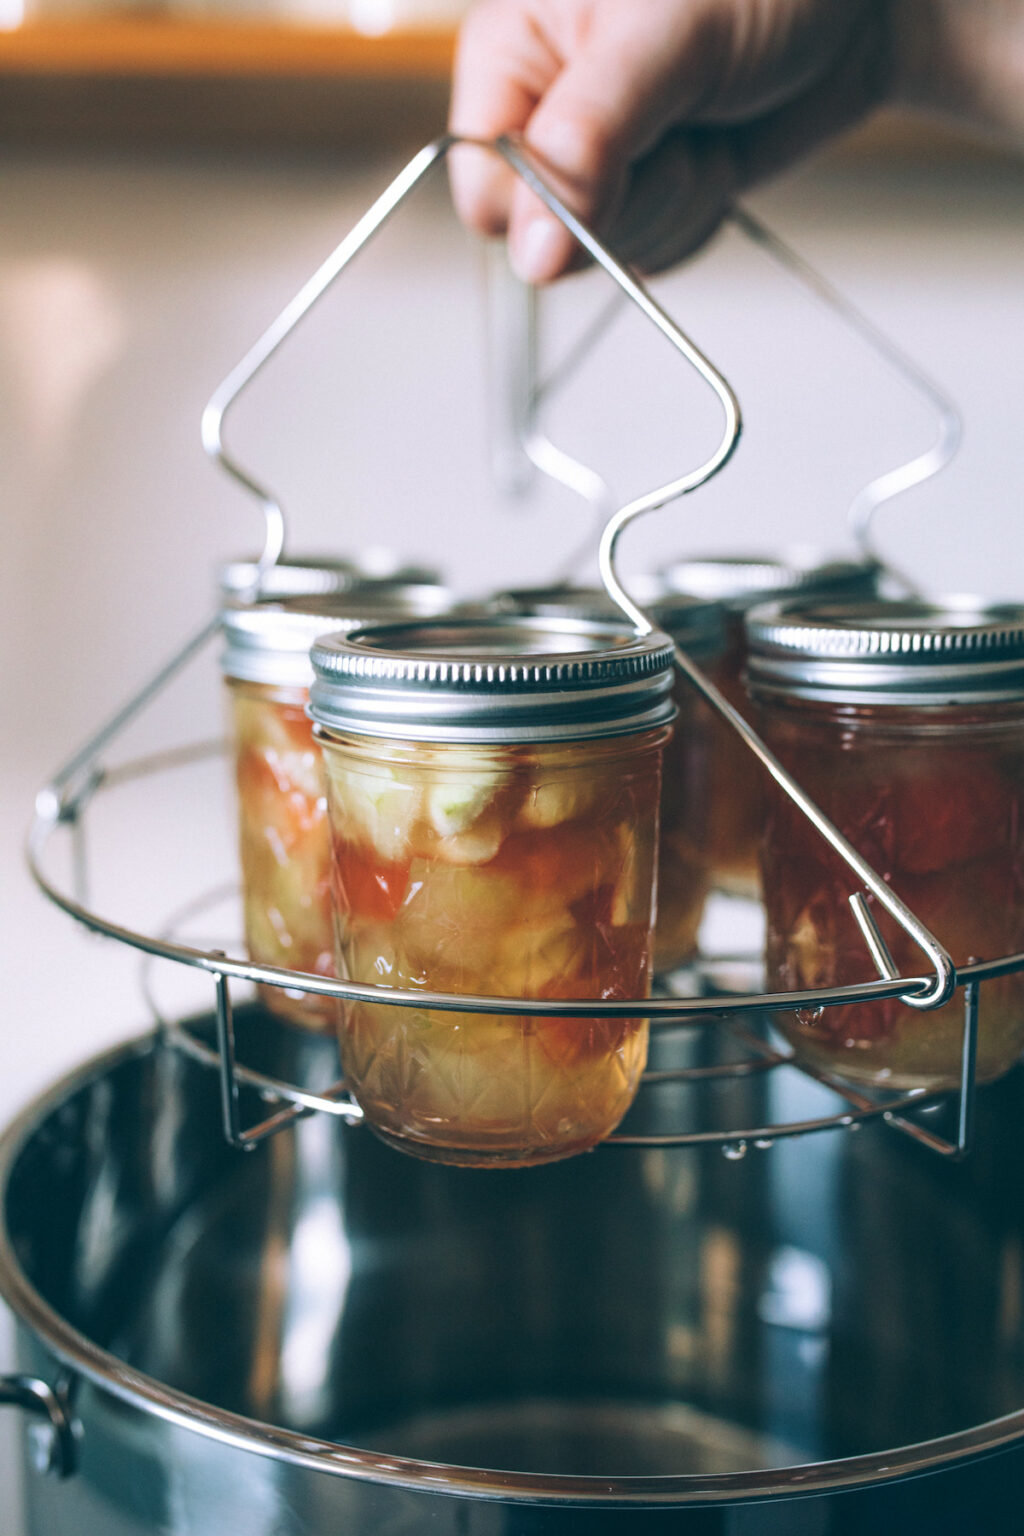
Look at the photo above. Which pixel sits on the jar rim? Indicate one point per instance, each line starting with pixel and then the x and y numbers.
pixel 497 678
pixel 269 642
pixel 906 652
pixel 742 580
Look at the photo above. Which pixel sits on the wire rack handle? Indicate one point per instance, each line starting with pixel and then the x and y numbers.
pixel 65 798
pixel 419 167
pixel 521 391
pixel 863 509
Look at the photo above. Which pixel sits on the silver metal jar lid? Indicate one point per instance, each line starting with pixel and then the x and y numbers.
pixel 742 581
pixel 318 575
pixel 304 576
pixel 698 627
pixel 948 652
pixel 500 679
pixel 269 643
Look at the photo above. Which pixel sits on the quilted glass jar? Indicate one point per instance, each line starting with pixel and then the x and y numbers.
pixel 493 790
pixel 905 725
pixel 282 805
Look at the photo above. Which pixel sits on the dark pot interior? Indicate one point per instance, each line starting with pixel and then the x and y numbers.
pixel 626 1313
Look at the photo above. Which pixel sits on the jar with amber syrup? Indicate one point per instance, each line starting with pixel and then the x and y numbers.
pixel 684 842
pixel 493 789
pixel 282 802
pixel 739 583
pixel 905 724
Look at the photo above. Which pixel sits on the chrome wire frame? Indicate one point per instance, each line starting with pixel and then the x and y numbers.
pixel 58 810
pixel 863 509
pixel 518 445
pixel 522 390
pixel 62 803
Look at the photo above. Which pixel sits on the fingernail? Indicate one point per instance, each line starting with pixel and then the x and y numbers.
pixel 536 252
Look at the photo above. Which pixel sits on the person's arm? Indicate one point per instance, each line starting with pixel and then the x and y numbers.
pixel 651 115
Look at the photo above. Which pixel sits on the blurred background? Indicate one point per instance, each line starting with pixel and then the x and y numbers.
pixel 171 175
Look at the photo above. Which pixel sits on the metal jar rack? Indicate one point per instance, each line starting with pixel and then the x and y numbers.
pixel 62 805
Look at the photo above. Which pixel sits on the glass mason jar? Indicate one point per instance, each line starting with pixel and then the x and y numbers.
pixel 282 802
pixel 739 583
pixel 905 724
pixel 493 790
pixel 684 841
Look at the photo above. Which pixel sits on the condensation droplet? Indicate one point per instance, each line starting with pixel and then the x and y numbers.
pixel 807 1016
pixel 734 1150
pixel 763 1143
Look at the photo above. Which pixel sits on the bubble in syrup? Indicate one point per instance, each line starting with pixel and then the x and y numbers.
pixel 806 1016
pixel 734 1150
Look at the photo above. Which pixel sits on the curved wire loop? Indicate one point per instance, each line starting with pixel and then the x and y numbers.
pixel 228 391
pixel 517 389
pixel 879 491
pixel 924 466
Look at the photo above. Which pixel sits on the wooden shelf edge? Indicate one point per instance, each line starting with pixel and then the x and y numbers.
pixel 194 48
pixel 175 79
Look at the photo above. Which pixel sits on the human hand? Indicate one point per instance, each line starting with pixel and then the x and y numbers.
pixel 649 116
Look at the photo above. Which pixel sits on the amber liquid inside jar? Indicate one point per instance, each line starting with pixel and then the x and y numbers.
pixel 736 805
pixel 933 798
pixel 685 837
pixel 285 848
pixel 510 871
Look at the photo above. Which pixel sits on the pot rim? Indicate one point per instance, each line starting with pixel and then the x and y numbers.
pixel 105 1371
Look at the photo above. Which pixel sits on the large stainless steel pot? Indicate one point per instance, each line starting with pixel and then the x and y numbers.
pixel 326 1338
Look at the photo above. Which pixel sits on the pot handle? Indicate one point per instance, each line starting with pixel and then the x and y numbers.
pixel 53 1438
